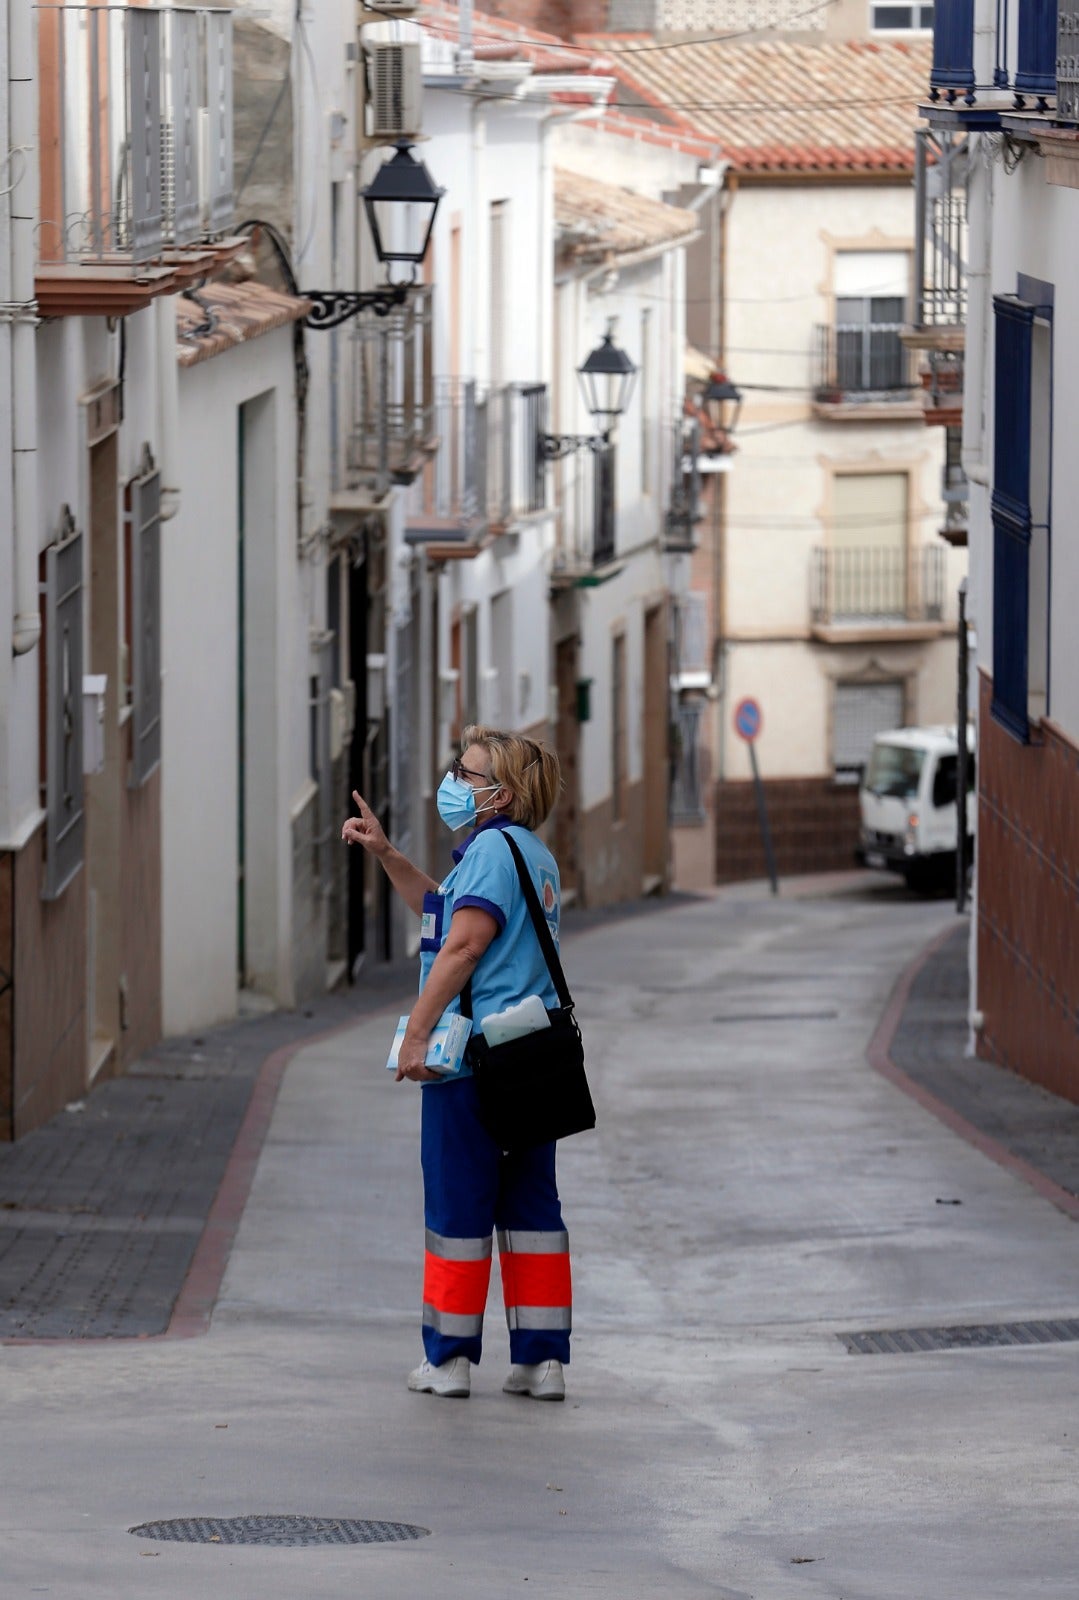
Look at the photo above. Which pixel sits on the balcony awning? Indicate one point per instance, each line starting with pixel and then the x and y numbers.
pixel 595 220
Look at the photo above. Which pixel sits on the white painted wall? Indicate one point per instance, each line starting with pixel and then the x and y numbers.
pixel 200 604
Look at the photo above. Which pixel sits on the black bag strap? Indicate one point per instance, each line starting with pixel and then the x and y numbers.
pixel 543 934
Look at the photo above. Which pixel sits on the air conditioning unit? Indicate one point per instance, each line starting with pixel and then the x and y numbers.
pixel 396 89
pixel 390 8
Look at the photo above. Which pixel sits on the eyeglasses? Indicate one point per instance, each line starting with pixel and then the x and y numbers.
pixel 460 771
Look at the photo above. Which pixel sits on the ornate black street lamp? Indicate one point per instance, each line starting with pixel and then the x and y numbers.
pixel 401 201
pixel 606 377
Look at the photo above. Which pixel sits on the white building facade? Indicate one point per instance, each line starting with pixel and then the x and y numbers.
pixel 1007 98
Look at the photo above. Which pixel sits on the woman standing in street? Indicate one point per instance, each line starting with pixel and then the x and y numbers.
pixel 476 927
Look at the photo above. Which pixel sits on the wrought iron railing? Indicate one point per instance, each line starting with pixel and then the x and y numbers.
pixel 940 227
pixel 488 471
pixel 684 511
pixel 877 584
pixel 1068 60
pixel 517 473
pixel 861 361
pixel 393 401
pixel 136 152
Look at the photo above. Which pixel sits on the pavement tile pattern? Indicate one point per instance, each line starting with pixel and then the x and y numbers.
pixel 102 1209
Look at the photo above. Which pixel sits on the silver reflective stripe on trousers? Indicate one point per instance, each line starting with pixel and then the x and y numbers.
pixel 437 1244
pixel 455 1327
pixel 525 1243
pixel 538 1319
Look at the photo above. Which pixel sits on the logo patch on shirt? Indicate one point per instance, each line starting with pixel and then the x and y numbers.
pixel 549 897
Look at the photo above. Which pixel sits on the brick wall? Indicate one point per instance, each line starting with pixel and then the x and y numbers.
pixel 813 823
pixel 1028 890
pixel 562 17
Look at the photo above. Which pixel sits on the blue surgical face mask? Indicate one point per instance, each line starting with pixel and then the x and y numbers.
pixel 456 801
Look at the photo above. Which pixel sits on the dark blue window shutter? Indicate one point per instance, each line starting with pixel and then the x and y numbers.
pixel 1011 513
pixel 953 46
pixel 1037 55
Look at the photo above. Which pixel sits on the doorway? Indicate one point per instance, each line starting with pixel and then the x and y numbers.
pixel 567 740
pixel 655 746
pixel 104 789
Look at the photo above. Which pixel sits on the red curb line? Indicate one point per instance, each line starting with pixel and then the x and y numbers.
pixel 879 1057
pixel 198 1294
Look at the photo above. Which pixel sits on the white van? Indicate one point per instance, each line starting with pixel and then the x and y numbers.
pixel 908 804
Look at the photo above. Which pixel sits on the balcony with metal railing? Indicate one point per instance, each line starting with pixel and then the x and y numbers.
pixel 862 372
pixel 392 430
pixel 588 528
pixel 877 592
pixel 487 476
pixel 136 153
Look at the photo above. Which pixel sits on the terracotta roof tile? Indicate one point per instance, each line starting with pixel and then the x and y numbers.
pixel 594 219
pixel 495 39
pixel 784 106
pixel 238 312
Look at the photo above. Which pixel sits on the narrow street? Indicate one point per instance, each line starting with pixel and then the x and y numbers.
pixel 753 1190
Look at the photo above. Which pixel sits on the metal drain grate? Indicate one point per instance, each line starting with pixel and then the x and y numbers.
pixel 279 1530
pixel 912 1341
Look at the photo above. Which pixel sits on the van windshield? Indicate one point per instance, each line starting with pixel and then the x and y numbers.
pixel 894 769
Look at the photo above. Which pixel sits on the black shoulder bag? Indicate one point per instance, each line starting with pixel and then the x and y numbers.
pixel 533 1089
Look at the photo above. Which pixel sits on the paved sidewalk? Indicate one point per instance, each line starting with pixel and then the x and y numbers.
pixel 1035 1128
pixel 101 1210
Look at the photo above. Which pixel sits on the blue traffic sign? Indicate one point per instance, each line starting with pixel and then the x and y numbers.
pixel 748 719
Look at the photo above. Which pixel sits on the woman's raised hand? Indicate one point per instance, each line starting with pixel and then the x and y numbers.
pixel 365 829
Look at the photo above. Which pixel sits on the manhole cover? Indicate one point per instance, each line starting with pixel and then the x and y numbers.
pixel 910 1341
pixel 279 1530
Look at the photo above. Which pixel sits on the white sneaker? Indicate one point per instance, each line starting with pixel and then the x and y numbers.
pixel 542 1382
pixel 451 1381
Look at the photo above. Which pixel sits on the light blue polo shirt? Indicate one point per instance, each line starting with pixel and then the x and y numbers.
pixel 485 875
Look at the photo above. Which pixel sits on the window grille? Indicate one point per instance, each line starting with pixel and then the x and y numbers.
pixel 321 757
pixel 687 796
pixel 603 521
pixel 618 727
pixel 64 802
pixel 869 353
pixel 143 533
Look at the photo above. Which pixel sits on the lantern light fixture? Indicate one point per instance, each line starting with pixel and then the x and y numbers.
pixel 607 377
pixel 401 202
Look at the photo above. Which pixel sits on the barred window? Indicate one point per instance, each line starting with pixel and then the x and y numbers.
pixel 65 825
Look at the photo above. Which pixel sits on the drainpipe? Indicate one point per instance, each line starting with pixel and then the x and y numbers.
pixel 22 310
pixel 168 405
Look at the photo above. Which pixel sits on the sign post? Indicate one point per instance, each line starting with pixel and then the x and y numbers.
pixel 748 721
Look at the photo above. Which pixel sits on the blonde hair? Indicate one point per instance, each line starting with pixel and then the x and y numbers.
pixel 527 769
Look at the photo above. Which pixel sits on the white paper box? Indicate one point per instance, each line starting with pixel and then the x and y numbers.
pixel 445 1047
